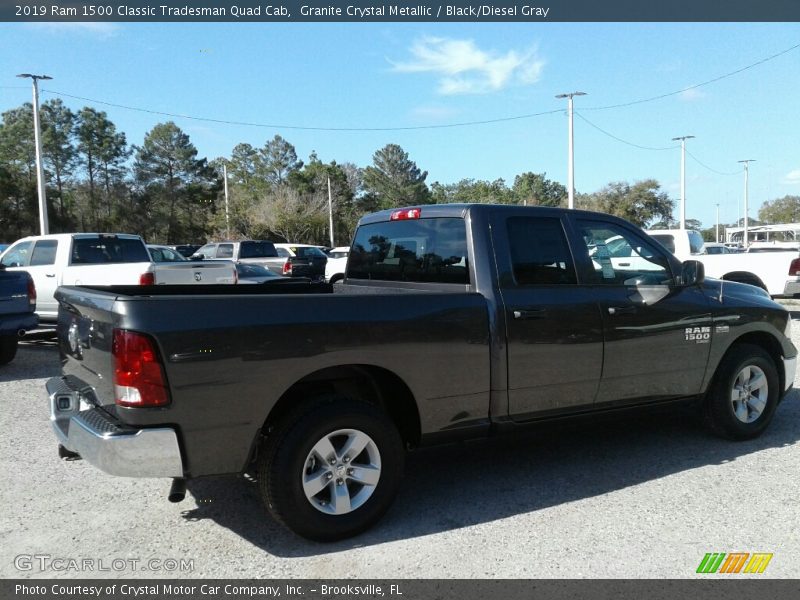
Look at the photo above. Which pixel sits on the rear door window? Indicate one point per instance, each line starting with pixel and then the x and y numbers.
pixel 44 253
pixel 419 250
pixel 225 251
pixel 539 252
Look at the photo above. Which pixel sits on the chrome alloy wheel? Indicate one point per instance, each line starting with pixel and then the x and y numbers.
pixel 341 472
pixel 749 394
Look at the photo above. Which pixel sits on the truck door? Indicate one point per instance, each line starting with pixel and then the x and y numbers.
pixel 657 332
pixel 553 325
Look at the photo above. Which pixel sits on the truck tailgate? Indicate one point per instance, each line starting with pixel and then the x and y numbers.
pixel 196 272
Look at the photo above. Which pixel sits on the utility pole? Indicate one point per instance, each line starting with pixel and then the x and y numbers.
pixel 227 217
pixel 571 151
pixel 330 211
pixel 717 235
pixel 746 163
pixel 683 176
pixel 37 134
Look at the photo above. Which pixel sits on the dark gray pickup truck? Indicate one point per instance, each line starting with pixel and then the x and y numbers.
pixel 454 321
pixel 17 306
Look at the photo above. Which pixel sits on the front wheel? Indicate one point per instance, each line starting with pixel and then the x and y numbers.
pixel 744 396
pixel 331 471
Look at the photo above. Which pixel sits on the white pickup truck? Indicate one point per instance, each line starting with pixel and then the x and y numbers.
pixel 100 259
pixel 776 272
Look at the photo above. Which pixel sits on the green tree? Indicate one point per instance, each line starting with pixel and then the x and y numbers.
pixel 394 180
pixel 102 151
pixel 18 200
pixel 59 152
pixel 181 189
pixel 641 203
pixel 277 161
pixel 780 210
pixel 472 191
pixel 534 189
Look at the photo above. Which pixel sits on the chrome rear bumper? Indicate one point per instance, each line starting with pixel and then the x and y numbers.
pixel 107 444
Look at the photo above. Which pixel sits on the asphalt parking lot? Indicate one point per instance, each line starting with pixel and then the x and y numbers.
pixel 642 497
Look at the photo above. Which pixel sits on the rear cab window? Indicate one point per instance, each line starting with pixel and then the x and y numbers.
pixel 108 249
pixel 257 249
pixel 432 250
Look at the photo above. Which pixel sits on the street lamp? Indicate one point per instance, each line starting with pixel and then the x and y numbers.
pixel 571 158
pixel 746 173
pixel 43 225
pixel 683 176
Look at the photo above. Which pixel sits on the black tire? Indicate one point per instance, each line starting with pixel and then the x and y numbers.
pixel 720 409
pixel 290 454
pixel 8 348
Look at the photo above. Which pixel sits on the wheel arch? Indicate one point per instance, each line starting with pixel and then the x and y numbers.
pixel 370 383
pixel 745 277
pixel 767 342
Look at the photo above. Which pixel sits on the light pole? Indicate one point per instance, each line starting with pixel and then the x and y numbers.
pixel 683 176
pixel 746 163
pixel 571 159
pixel 43 225
pixel 227 217
pixel 717 240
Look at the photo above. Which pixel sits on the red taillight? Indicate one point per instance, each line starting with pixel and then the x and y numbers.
pixel 406 213
pixel 287 267
pixel 794 268
pixel 148 278
pixel 31 293
pixel 138 376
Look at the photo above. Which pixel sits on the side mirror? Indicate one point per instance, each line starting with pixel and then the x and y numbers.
pixel 196 257
pixel 693 272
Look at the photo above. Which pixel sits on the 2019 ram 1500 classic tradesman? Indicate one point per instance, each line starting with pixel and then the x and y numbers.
pixel 454 321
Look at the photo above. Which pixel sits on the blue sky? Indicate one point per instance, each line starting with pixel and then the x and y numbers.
pixel 385 75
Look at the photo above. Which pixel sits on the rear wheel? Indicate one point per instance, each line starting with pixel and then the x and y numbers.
pixel 332 469
pixel 744 396
pixel 8 348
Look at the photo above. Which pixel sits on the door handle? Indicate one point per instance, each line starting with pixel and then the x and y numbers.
pixel 534 313
pixel 49 274
pixel 621 310
pixel 625 264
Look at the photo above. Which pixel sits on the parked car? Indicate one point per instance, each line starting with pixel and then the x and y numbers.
pixel 454 322
pixel 776 272
pixel 186 250
pixel 255 252
pixel 337 263
pixel 301 260
pixel 17 306
pixel 249 273
pixel 96 259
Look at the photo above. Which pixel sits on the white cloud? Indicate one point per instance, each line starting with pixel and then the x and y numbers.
pixel 792 177
pixel 98 29
pixel 463 68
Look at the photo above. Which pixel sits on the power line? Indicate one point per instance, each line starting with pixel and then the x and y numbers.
pixel 423 127
pixel 694 87
pixel 705 166
pixel 619 139
pixel 300 127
